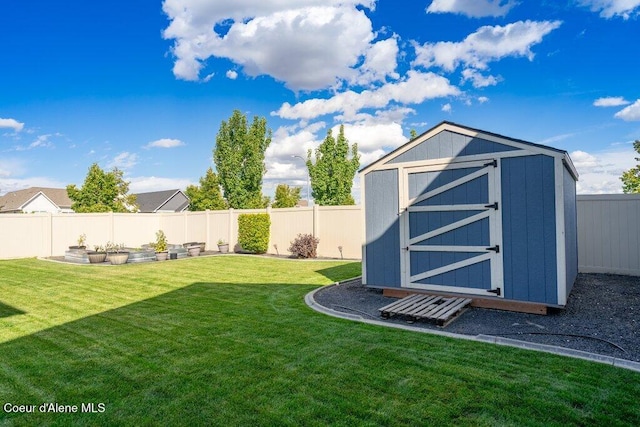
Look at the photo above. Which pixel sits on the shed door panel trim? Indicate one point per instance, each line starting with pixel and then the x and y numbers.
pixel 451 234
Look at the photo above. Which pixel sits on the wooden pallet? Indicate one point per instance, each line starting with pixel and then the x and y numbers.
pixel 423 306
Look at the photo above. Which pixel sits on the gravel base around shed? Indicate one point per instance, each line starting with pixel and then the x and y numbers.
pixel 602 316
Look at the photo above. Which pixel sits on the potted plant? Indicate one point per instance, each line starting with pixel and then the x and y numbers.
pixel 160 246
pixel 117 253
pixel 98 255
pixel 82 240
pixel 223 246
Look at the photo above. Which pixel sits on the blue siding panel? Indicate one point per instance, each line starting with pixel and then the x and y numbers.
pixel 528 219
pixel 570 229
pixel 382 228
pixel 447 144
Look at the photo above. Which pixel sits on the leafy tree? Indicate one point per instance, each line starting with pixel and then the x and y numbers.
pixel 286 197
pixel 207 195
pixel 102 192
pixel 334 169
pixel 413 134
pixel 631 178
pixel 239 159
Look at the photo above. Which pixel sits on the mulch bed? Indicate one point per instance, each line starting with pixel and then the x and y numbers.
pixel 602 316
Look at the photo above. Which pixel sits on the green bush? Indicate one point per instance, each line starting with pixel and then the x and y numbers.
pixel 253 232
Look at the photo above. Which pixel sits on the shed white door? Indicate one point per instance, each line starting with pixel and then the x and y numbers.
pixel 452 229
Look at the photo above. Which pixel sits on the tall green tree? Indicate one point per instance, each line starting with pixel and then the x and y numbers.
pixel 207 195
pixel 239 159
pixel 286 197
pixel 631 178
pixel 413 134
pixel 102 192
pixel 332 173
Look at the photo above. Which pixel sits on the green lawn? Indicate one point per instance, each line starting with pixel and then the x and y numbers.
pixel 229 341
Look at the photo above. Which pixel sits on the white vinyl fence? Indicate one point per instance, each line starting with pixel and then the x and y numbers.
pixel 609 234
pixel 43 235
pixel 608 231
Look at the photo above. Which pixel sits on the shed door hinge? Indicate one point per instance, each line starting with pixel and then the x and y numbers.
pixel 495 291
pixel 495 248
pixel 493 163
pixel 405 248
pixel 493 205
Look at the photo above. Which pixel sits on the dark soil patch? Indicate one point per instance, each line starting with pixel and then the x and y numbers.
pixel 602 316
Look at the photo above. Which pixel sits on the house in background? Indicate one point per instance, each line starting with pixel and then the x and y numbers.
pixel 36 199
pixel 162 201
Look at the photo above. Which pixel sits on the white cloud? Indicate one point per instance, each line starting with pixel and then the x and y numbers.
pixel 42 141
pixel 124 160
pixel 611 8
pixel 373 139
pixel 414 89
pixel 13 184
pixel 307 44
pixel 630 113
pixel 600 171
pixel 11 124
pixel 610 101
pixel 483 99
pixel 143 184
pixel 231 74
pixel 380 62
pixel 472 8
pixel 165 143
pixel 477 79
pixel 487 44
pixel 446 108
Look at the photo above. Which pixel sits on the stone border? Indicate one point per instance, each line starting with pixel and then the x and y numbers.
pixel 509 342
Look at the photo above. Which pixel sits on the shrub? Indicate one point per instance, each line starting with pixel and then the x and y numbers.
pixel 304 246
pixel 160 244
pixel 253 232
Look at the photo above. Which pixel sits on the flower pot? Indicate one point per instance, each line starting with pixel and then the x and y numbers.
pixel 118 258
pixel 162 256
pixel 194 250
pixel 223 248
pixel 97 257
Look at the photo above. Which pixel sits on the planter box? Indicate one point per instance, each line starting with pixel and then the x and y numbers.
pixel 190 244
pixel 194 250
pixel 178 250
pixel 77 256
pixel 162 256
pixel 141 256
pixel 96 257
pixel 118 258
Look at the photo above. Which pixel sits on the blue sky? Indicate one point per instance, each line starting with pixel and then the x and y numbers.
pixel 144 85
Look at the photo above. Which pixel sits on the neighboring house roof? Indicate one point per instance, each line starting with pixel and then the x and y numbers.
pixel 166 200
pixel 15 201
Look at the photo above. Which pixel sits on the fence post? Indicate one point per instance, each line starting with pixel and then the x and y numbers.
pixel 230 211
pixel 316 221
pixel 207 242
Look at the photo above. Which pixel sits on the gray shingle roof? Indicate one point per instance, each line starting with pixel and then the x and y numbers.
pixel 154 200
pixel 15 200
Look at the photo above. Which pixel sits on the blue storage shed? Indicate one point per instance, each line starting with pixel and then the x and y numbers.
pixel 459 210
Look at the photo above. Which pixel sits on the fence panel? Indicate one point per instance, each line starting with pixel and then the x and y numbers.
pixel 609 234
pixel 286 224
pixel 340 231
pixel 608 231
